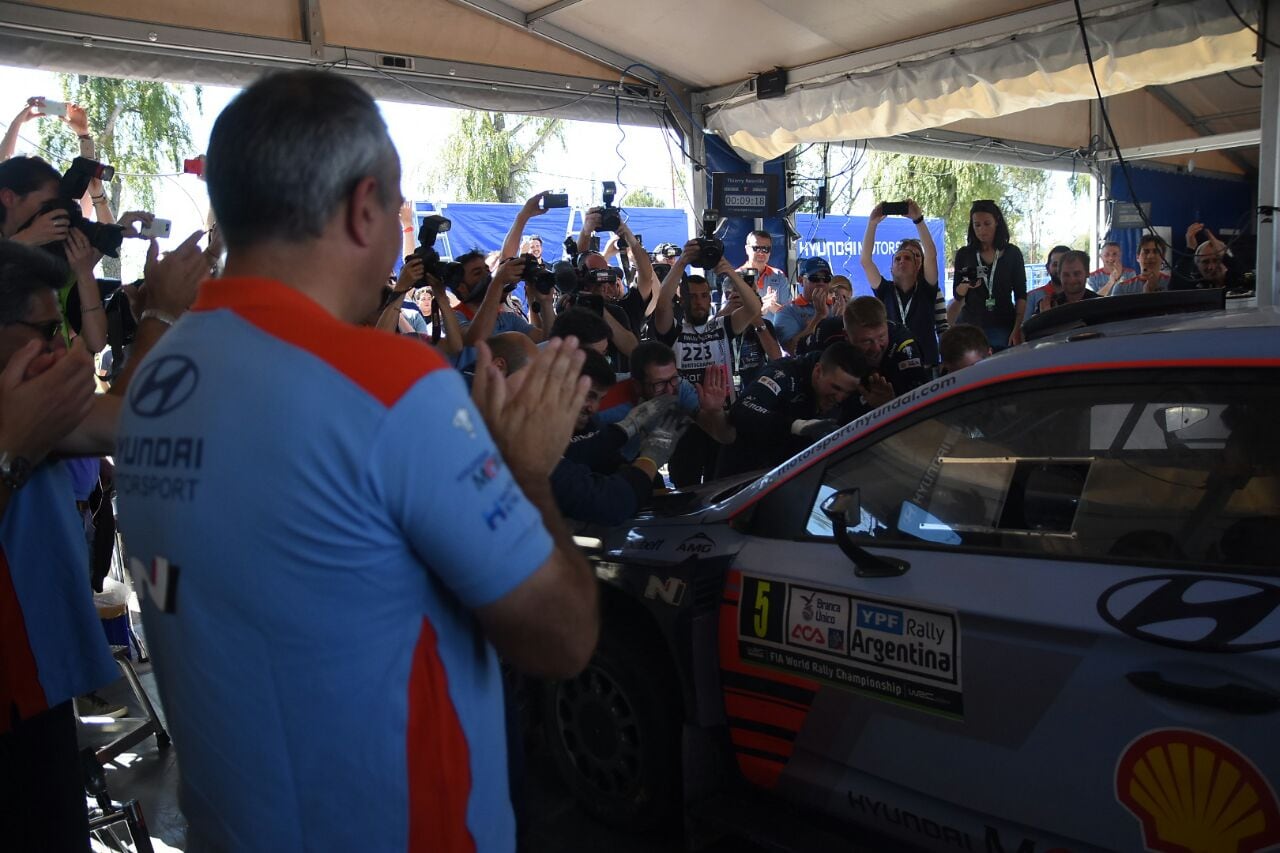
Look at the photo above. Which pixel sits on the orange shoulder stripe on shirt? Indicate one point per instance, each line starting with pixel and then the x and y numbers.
pixel 384 365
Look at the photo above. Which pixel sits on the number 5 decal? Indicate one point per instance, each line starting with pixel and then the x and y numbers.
pixel 761 621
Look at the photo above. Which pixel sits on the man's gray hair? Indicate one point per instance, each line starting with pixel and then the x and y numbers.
pixel 288 151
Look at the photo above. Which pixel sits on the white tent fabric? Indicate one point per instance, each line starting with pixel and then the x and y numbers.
pixel 1138 47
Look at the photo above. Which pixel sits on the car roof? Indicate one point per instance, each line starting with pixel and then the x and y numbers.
pixel 1224 339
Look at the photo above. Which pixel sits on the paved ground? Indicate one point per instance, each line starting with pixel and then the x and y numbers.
pixel 556 823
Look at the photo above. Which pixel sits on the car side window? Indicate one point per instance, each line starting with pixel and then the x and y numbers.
pixel 1148 471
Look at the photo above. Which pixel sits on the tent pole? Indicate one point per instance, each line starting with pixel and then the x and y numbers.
pixel 1268 281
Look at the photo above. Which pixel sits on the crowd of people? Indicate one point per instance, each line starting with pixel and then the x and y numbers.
pixel 344 604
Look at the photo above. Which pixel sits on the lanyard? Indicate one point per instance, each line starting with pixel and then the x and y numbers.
pixel 902 312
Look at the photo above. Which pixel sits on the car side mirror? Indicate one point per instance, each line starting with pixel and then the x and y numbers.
pixel 1174 418
pixel 844 509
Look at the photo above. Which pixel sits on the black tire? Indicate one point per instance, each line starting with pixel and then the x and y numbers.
pixel 614 733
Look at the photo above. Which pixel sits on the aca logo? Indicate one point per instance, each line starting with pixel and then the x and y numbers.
pixel 809 634
pixel 1193 792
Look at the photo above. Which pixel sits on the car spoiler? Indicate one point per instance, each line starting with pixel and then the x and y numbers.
pixel 1111 309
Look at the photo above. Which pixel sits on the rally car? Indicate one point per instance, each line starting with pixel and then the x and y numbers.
pixel 1030 606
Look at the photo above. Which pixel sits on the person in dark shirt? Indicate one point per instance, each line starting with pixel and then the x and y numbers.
pixel 889 349
pixel 991 281
pixel 795 402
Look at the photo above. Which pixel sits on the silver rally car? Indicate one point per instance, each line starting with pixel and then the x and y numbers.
pixel 1031 606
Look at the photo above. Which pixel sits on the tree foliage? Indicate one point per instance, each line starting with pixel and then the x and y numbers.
pixel 942 188
pixel 138 127
pixel 490 156
pixel 641 197
pixel 946 188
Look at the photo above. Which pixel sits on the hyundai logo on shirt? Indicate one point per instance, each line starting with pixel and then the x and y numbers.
pixel 163 385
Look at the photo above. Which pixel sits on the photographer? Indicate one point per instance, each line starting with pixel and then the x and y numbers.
pixel 28 185
pixel 595 277
pixel 397 312
pixel 479 310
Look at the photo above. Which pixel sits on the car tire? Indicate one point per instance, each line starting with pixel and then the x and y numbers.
pixel 614 733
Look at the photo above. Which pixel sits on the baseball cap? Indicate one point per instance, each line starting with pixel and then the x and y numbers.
pixel 809 266
pixel 666 250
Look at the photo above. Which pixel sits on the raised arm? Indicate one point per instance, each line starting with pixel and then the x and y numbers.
pixel 664 315
pixel 590 224
pixel 29 111
pixel 868 246
pixel 482 325
pixel 82 258
pixel 531 208
pixel 450 342
pixel 926 242
pixel 749 311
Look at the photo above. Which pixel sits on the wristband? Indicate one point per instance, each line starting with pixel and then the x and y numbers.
pixel 408 229
pixel 640 459
pixel 918 221
pixel 98 198
pixel 97 307
pixel 84 136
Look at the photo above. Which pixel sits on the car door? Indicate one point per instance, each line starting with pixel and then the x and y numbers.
pixel 1082 653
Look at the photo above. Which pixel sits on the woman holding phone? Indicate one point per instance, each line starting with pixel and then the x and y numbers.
pixel 990 281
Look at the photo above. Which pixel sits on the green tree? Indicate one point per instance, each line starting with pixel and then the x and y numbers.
pixel 942 188
pixel 490 156
pixel 138 127
pixel 1025 206
pixel 641 197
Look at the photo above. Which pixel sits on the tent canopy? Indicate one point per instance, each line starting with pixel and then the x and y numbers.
pixel 859 69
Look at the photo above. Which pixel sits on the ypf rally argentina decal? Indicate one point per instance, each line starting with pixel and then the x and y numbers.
pixel 890 650
pixel 1192 792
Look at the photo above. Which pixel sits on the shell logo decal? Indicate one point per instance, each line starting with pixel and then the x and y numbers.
pixel 1195 794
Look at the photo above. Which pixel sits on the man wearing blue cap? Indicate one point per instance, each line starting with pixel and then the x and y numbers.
pixel 800 318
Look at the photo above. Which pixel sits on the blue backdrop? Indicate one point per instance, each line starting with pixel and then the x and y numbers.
pixel 837 238
pixel 1177 200
pixel 484 226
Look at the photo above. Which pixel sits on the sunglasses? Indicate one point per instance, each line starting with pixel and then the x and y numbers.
pixel 820 279
pixel 47 330
pixel 762 248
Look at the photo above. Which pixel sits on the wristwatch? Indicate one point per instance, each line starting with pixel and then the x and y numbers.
pixel 14 470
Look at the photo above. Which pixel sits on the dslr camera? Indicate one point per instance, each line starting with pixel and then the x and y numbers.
pixel 610 216
pixel 537 275
pixel 432 227
pixel 74 184
pixel 710 247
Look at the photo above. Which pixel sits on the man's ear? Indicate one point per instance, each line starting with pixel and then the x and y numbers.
pixel 8 198
pixel 364 211
pixel 500 363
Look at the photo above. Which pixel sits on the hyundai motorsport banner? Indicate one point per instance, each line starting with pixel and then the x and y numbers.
pixel 887 649
pixel 484 226
pixel 839 240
